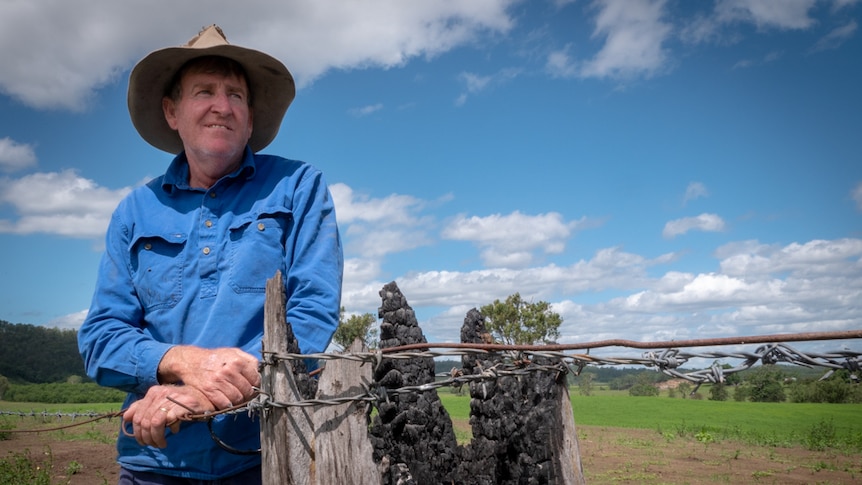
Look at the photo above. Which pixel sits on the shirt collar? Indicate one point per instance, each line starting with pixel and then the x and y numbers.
pixel 177 175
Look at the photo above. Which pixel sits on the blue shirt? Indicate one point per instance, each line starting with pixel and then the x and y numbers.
pixel 189 266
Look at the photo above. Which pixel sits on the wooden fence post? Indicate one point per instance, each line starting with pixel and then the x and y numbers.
pixel 343 451
pixel 284 433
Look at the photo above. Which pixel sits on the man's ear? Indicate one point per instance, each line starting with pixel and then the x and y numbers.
pixel 170 110
pixel 250 121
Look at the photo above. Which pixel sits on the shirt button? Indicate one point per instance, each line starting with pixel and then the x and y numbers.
pixel 260 226
pixel 212 195
pixel 148 246
pixel 208 223
pixel 206 250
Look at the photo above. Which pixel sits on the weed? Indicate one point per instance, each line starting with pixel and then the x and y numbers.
pixel 704 437
pixel 821 436
pixel 22 469
pixel 73 467
pixel 821 465
pixel 5 425
pixel 761 474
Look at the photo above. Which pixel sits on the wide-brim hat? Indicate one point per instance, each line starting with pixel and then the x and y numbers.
pixel 271 85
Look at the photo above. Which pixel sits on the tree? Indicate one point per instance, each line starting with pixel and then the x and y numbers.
pixel 644 386
pixel 356 326
pixel 4 386
pixel 684 389
pixel 718 392
pixel 585 383
pixel 517 322
pixel 766 384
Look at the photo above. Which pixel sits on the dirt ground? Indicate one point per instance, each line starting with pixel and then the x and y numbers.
pixel 608 455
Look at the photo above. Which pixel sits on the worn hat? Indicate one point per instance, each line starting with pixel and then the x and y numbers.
pixel 269 81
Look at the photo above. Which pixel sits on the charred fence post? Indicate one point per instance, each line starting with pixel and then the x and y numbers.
pixel 523 426
pixel 412 430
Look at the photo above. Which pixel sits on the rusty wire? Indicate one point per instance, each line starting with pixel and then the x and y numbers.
pixel 668 361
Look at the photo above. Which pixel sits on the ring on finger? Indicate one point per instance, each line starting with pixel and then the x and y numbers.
pixel 164 410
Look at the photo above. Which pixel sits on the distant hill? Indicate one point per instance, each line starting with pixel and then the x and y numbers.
pixel 34 354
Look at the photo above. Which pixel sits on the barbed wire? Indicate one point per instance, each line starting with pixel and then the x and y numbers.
pixel 519 360
pixel 667 362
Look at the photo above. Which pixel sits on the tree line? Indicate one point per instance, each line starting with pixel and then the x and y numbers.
pixel 35 354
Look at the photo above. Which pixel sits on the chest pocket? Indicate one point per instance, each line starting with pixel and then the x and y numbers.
pixel 157 267
pixel 257 248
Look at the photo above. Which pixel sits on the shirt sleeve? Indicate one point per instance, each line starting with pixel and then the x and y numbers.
pixel 116 352
pixel 315 266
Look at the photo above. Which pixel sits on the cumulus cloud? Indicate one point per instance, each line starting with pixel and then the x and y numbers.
pixel 765 15
pixel 71 321
pixel 375 227
pixel 634 34
pixel 694 191
pixel 474 83
pixel 59 203
pixel 703 222
pixel 15 156
pixel 784 14
pixel 511 241
pixel 366 110
pixel 835 38
pixel 823 257
pixel 310 37
pixel 761 289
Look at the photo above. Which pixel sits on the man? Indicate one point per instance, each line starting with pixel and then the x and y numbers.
pixel 177 315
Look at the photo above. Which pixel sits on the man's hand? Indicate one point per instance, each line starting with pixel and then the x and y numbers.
pixel 226 376
pixel 153 413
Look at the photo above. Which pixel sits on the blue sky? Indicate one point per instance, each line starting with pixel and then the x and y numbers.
pixel 655 169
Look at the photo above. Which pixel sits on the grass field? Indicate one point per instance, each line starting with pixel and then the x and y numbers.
pixel 623 439
pixel 812 425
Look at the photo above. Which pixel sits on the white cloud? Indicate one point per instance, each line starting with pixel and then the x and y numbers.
pixel 60 203
pixel 633 33
pixel 785 289
pixel 764 14
pixel 703 222
pixel 694 191
pixel 373 228
pixel 71 321
pixel 366 110
pixel 839 4
pixel 15 156
pixel 561 64
pixel 60 52
pixel 510 241
pixel 835 38
pixel 857 196
pixel 781 14
pixel 475 83
pixel 821 256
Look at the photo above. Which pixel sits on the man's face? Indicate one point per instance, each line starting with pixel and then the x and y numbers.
pixel 212 116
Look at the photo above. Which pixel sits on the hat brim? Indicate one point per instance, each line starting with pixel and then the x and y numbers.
pixel 270 82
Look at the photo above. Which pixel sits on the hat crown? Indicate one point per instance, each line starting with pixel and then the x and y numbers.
pixel 208 37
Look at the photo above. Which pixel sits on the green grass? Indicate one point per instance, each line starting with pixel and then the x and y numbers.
pixel 817 426
pixel 39 407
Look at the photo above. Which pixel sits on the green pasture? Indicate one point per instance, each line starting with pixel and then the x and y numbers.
pixel 814 425
pixel 39 407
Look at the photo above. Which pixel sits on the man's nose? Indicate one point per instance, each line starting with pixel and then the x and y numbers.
pixel 221 102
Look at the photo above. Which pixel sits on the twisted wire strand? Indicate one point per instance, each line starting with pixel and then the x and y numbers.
pixel 515 362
